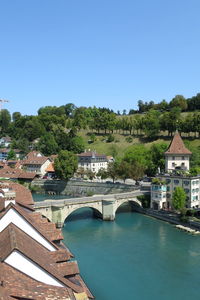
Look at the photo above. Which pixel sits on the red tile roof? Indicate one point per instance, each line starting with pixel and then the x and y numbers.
pixel 177 146
pixel 90 154
pixel 50 168
pixel 12 238
pixel 17 284
pixel 16 173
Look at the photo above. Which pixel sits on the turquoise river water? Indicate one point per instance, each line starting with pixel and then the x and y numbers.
pixel 134 257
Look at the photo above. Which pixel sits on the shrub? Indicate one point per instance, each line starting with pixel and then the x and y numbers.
pixel 129 139
pixel 110 138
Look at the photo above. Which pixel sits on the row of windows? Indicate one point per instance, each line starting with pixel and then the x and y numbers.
pixel 195 190
pixel 159 195
pixel 195 182
pixel 182 157
pixel 87 164
pixel 174 164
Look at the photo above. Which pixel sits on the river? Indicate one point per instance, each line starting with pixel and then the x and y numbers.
pixel 135 257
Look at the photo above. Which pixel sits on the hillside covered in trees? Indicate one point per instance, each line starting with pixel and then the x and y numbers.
pixel 139 138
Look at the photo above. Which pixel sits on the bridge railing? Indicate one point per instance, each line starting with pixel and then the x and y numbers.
pixel 95 198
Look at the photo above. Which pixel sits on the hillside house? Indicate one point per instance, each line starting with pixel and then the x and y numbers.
pixel 5 141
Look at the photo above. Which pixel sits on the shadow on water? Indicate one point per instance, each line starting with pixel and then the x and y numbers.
pixel 126 207
pixel 88 213
pixel 80 214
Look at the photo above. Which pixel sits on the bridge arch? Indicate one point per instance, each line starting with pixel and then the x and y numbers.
pixel 135 201
pixel 96 211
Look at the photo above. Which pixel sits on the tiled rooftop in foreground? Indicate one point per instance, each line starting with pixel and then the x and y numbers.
pixel 34 263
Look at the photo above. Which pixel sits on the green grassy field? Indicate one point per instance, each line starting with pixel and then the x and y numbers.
pixel 121 145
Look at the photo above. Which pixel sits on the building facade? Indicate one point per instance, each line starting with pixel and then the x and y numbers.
pixel 92 161
pixel 177 157
pixel 177 166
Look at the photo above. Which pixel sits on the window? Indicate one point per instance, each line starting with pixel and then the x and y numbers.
pixel 186 182
pixel 176 181
pixel 183 157
pixel 173 157
pixel 168 188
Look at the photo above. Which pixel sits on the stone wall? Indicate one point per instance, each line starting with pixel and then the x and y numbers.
pixel 79 188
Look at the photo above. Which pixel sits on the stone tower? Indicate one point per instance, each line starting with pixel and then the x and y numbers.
pixel 177 157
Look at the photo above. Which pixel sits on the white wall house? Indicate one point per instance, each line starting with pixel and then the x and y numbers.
pixel 92 161
pixel 36 162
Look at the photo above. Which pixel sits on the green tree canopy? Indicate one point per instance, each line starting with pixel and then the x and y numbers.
pixel 5 119
pixel 47 144
pixel 65 164
pixel 178 198
pixel 11 155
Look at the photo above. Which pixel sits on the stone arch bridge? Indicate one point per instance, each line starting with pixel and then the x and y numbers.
pixel 104 206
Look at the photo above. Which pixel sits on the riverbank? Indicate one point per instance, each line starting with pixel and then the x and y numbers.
pixel 173 218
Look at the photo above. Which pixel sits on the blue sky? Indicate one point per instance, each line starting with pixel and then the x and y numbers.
pixel 97 52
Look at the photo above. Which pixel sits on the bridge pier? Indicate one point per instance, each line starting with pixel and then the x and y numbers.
pixel 108 210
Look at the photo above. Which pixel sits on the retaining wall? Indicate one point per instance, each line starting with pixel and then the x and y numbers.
pixel 80 188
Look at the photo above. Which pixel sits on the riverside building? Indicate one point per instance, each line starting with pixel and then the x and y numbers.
pixel 177 167
pixel 90 160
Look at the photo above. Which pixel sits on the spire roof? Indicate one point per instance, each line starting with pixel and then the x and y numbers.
pixel 177 146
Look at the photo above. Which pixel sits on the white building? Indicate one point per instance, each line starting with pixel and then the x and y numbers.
pixel 36 162
pixel 92 161
pixel 177 159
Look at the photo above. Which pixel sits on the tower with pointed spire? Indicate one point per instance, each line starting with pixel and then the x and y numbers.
pixel 177 157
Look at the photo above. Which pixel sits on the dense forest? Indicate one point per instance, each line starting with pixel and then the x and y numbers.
pixel 58 128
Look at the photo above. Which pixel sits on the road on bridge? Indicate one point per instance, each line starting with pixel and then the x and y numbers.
pixel 95 198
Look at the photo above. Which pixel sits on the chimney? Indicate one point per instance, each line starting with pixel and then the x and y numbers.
pixel 7 195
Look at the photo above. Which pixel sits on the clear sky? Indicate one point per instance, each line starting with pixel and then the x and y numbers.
pixel 97 52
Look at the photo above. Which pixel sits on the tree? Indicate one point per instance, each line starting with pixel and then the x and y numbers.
pixel 16 116
pixel 22 144
pixel 113 170
pixel 151 123
pixel 124 170
pixel 157 151
pixel 102 173
pixel 90 174
pixel 179 101
pixel 76 144
pixel 47 144
pixel 11 155
pixel 136 171
pixel 65 164
pixel 5 119
pixel 178 198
